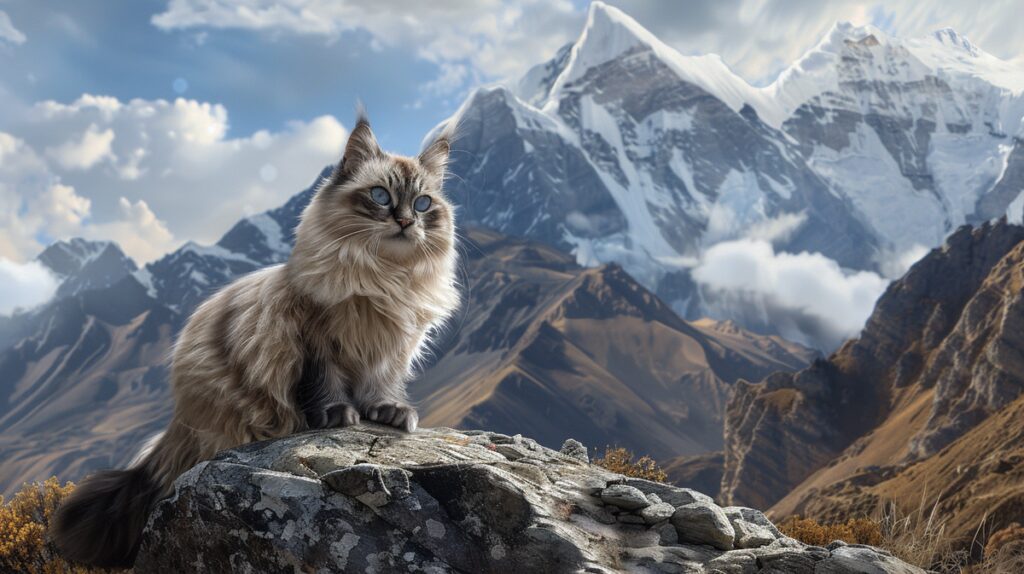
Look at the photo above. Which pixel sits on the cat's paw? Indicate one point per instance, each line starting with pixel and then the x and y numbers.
pixel 335 415
pixel 399 416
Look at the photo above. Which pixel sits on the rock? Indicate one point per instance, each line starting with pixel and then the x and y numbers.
pixel 752 528
pixel 857 559
pixel 371 499
pixel 624 496
pixel 703 523
pixel 575 449
pixel 673 495
pixel 657 512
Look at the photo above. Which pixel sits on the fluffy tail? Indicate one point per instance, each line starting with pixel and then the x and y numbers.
pixel 101 522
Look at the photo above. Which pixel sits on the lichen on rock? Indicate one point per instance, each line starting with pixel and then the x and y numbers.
pixel 372 499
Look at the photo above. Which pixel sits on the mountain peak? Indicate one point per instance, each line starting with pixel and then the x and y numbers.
pixel 608 33
pixel 82 264
pixel 844 33
pixel 69 256
pixel 949 37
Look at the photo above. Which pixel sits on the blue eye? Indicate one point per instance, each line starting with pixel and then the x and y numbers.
pixel 380 195
pixel 422 203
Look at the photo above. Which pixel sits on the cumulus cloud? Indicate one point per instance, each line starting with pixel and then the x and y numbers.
pixel 85 151
pixel 24 285
pixel 147 173
pixel 8 33
pixel 136 222
pixel 469 39
pixel 807 297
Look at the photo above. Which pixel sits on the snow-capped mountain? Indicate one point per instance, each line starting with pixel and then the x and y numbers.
pixel 81 264
pixel 621 149
pixel 918 134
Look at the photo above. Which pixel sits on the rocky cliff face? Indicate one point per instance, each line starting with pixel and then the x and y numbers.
pixel 371 499
pixel 940 354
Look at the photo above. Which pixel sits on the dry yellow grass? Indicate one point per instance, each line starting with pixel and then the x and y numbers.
pixel 23 523
pixel 621 461
pixel 920 538
pixel 853 531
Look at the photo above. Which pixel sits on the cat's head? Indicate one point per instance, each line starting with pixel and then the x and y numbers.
pixel 382 206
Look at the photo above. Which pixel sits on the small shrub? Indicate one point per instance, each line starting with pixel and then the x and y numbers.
pixel 1004 552
pixel 1011 536
pixel 853 531
pixel 23 523
pixel 621 461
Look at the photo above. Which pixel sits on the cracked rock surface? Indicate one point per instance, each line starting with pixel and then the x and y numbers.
pixel 371 499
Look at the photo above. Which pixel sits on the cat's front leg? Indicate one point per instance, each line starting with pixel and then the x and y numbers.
pixel 398 415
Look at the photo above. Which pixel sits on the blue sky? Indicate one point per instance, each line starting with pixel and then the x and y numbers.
pixel 264 79
pixel 155 122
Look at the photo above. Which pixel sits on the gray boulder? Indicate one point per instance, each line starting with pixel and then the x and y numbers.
pixel 371 499
pixel 704 523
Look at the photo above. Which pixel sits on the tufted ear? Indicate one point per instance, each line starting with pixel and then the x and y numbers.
pixel 434 157
pixel 361 146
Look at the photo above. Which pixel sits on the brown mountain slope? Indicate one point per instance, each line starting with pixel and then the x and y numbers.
pixel 939 354
pixel 542 346
pixel 976 484
pixel 558 351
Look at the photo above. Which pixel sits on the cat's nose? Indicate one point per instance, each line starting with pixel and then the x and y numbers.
pixel 404 222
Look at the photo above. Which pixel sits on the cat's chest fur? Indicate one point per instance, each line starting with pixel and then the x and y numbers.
pixel 365 338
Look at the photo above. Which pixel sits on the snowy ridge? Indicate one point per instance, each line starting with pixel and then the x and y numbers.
pixel 866 150
pixel 610 33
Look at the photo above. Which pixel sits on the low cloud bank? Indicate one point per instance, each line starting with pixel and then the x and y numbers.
pixel 806 297
pixel 24 285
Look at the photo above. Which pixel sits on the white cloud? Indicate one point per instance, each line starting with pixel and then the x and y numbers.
pixel 24 285
pixel 147 173
pixel 85 151
pixel 495 39
pixel 896 265
pixel 137 222
pixel 8 33
pixel 501 40
pixel 777 229
pixel 806 296
pixel 62 209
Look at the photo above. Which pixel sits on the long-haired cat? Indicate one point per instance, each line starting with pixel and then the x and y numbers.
pixel 325 340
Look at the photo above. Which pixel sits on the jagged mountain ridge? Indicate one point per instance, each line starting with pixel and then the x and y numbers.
pixel 93 364
pixel 621 149
pixel 941 358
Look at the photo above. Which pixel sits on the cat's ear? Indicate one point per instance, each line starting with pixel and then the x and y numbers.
pixel 361 146
pixel 434 157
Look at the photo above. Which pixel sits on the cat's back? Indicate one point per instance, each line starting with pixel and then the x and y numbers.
pixel 237 301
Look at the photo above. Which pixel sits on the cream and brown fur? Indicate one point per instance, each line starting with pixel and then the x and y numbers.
pixel 327 339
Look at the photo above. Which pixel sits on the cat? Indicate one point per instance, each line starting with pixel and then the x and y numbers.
pixel 325 340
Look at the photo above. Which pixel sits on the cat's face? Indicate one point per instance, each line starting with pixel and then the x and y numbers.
pixel 389 206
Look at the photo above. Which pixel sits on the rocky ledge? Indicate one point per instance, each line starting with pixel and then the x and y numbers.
pixel 370 499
